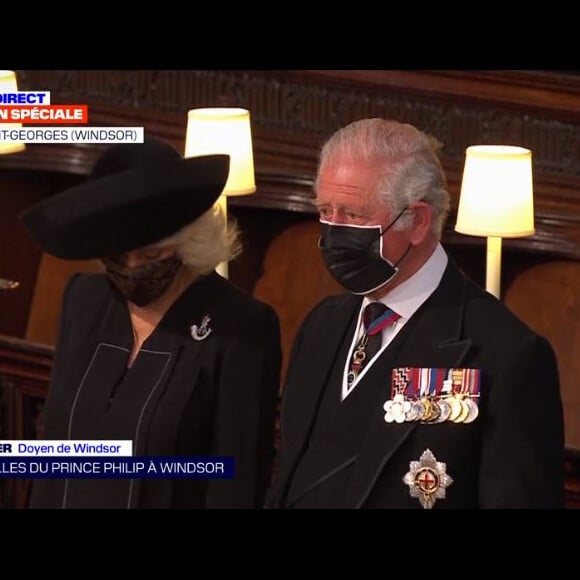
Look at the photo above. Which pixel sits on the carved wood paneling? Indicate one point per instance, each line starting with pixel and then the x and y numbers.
pixel 294 111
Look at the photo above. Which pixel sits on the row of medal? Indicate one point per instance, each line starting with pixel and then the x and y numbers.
pixel 433 395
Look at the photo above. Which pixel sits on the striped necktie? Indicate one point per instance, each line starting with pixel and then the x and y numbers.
pixel 376 317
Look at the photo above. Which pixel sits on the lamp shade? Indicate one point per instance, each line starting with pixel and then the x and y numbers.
pixel 224 130
pixel 8 84
pixel 496 192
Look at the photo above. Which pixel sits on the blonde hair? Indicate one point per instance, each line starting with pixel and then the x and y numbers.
pixel 207 241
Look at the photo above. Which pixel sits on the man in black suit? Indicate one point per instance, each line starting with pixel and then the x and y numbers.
pixel 460 405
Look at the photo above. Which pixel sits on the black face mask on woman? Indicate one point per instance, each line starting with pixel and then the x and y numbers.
pixel 143 284
pixel 353 256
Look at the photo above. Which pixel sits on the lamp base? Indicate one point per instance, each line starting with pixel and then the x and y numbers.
pixel 493 266
pixel 222 202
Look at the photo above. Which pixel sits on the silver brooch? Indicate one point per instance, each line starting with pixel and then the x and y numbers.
pixel 202 331
pixel 427 479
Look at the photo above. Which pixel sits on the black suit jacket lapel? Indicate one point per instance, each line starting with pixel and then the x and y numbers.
pixel 432 338
pixel 304 393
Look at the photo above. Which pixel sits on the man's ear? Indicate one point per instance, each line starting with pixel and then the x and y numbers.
pixel 421 227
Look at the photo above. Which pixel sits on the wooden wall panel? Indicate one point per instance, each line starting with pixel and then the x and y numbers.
pixel 294 278
pixel 53 275
pixel 19 256
pixel 547 297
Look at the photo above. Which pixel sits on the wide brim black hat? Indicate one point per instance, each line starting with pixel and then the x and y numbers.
pixel 136 195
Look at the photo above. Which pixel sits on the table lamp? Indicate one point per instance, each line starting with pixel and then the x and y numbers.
pixel 224 130
pixel 496 201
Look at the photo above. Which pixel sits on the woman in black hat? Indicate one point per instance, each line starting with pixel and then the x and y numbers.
pixel 159 349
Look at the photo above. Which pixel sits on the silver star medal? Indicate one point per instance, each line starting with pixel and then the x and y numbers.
pixel 427 479
pixel 202 331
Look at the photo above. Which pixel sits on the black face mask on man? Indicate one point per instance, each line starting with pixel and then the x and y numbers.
pixel 353 255
pixel 143 284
